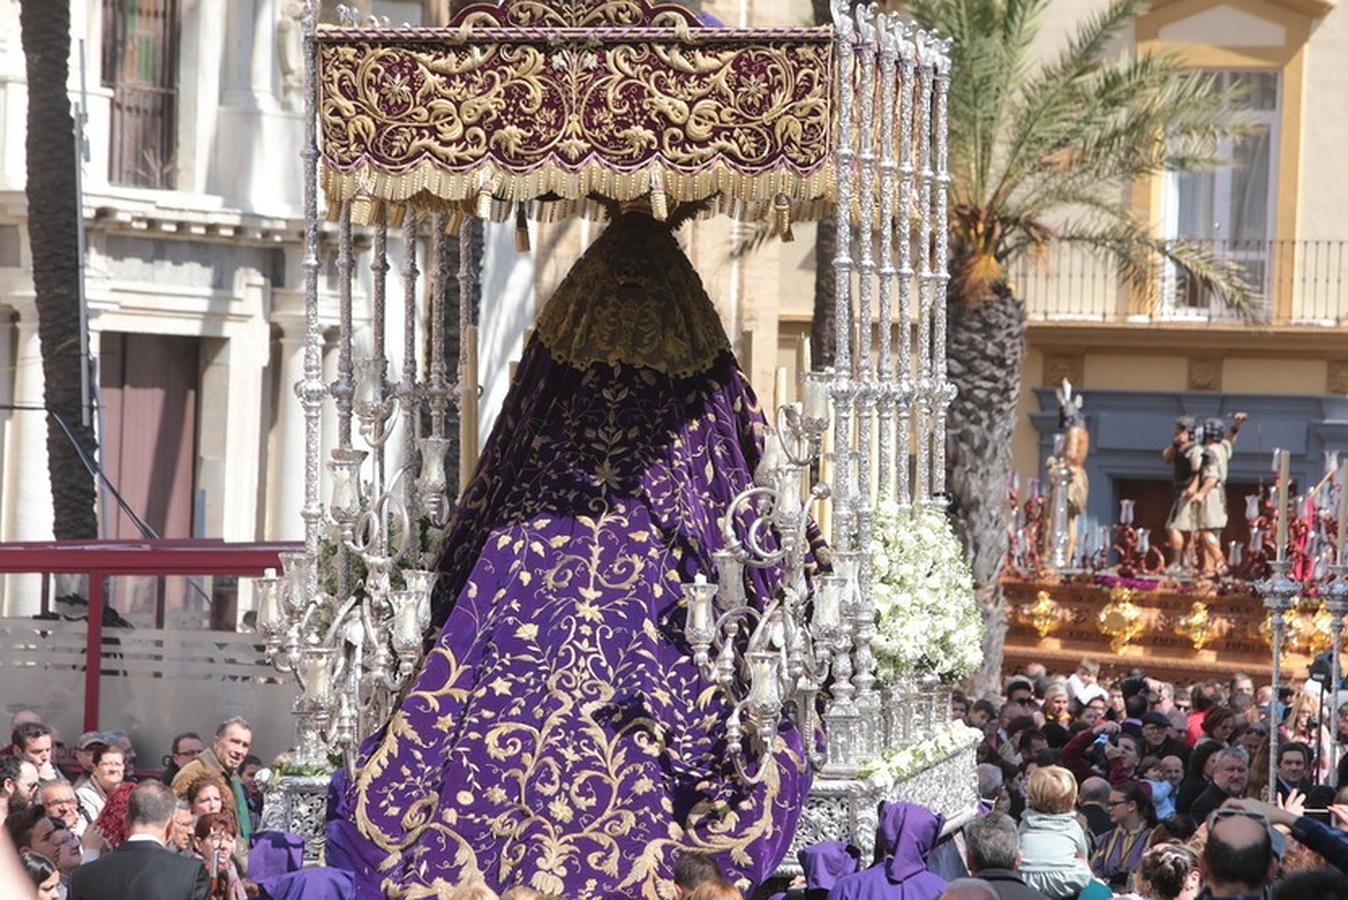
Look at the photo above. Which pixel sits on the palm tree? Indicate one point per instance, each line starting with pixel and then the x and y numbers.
pixel 52 237
pixel 1041 156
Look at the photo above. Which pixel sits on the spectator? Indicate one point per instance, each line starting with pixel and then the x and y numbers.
pixel 691 870
pixel 1203 697
pixel 251 792
pixel 1294 760
pixel 1230 774
pixel 1160 790
pixel 959 707
pixel 1167 872
pixel 1322 839
pixel 180 836
pixel 122 741
pixel 1053 845
pixel 993 852
pixel 1238 858
pixel 1172 770
pixel 1252 738
pixel 186 747
pixel 33 741
pixel 35 830
pixel 969 889
pixel 1322 884
pixel 990 785
pixel 1201 763
pixel 1094 805
pixel 1179 828
pixel 109 770
pixel 46 879
pixel 716 889
pixel 206 794
pixel 1219 724
pixel 225 757
pixel 213 843
pixel 59 799
pixel 1156 739
pixel 982 715
pixel 1082 686
pixel 1135 706
pixel 1121 848
pixel 1241 684
pixel 157 872
pixel 109 830
pixel 903 841
pixel 1123 754
pixel 1303 725
pixel 85 747
pixel 1020 691
pixel 18 784
pixel 1341 723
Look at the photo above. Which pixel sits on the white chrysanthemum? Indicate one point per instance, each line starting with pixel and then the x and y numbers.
pixel 926 617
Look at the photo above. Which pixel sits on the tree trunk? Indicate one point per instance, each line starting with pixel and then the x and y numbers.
pixel 53 240
pixel 986 349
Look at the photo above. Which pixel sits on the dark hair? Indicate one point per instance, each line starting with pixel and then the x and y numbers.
pixel 1030 734
pixel 105 750
pixel 1245 864
pixel 12 766
pixel 152 803
pixel 209 822
pixel 1017 725
pixel 20 825
pixel 1135 706
pixel 1205 696
pixel 251 760
pixel 691 869
pixel 990 709
pixel 178 739
pixel 1294 747
pixel 38 867
pixel 1198 760
pixel 29 731
pixel 1133 792
pixel 1166 867
pixel 1179 827
pixel 1323 884
pixel 1216 717
pixel 992 843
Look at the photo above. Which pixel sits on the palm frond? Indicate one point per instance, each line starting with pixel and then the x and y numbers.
pixel 749 237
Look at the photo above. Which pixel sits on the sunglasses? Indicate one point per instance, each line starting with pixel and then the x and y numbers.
pixel 1226 812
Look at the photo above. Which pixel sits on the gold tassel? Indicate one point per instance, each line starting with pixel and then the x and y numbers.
pixel 521 228
pixel 659 202
pixel 485 182
pixel 781 218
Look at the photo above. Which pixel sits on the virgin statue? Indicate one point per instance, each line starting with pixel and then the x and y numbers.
pixel 558 735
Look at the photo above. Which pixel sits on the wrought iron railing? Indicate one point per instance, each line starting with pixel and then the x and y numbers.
pixel 1293 282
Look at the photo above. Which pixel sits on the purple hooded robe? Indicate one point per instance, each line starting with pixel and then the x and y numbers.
pixel 907 833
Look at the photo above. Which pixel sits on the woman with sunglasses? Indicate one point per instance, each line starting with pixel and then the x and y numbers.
pixel 1120 849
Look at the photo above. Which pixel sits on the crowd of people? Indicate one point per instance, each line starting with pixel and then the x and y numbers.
pixel 1142 788
pixel 1086 790
pixel 87 827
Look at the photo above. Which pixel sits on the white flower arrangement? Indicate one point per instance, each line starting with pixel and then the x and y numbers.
pixel 927 621
pixel 898 765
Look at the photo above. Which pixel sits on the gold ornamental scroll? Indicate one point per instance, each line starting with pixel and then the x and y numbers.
pixel 552 106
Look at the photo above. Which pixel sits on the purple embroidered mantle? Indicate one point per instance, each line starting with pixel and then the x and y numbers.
pixel 558 734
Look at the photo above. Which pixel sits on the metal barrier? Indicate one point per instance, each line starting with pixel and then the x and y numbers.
pixel 149 681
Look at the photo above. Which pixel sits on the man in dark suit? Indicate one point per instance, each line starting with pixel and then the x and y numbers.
pixel 141 869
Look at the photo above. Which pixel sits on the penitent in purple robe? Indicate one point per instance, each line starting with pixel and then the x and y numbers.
pixel 907 833
pixel 558 735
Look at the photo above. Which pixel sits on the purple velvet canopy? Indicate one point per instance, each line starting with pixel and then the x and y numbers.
pixel 558 735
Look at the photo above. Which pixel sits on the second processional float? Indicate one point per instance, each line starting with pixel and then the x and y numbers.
pixel 627 637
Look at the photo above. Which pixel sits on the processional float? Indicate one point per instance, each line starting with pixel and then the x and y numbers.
pixel 540 111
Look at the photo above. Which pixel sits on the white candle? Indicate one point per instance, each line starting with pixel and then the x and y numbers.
pixel 804 363
pixel 828 602
pixel 698 596
pixel 1256 540
pixel 318 674
pixel 268 601
pixel 407 625
pixel 781 392
pixel 1284 500
pixel 1126 512
pixel 468 410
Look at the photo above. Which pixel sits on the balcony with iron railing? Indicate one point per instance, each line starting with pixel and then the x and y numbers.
pixel 1294 284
